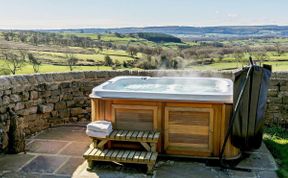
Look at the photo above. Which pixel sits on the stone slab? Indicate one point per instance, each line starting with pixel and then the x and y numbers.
pixel 109 170
pixel 267 174
pixel 241 174
pixel 13 162
pixel 70 166
pixel 177 169
pixel 258 161
pixel 45 146
pixel 75 149
pixel 44 164
pixel 65 133
pixel 19 175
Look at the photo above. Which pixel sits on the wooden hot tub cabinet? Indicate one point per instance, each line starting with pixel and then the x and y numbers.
pixel 187 128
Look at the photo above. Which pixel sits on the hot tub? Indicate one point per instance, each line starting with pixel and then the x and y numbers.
pixel 167 88
pixel 192 114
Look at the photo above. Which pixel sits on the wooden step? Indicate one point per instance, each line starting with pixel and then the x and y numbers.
pixel 133 136
pixel 125 156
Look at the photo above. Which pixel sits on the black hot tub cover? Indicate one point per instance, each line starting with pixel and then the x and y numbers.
pixel 247 130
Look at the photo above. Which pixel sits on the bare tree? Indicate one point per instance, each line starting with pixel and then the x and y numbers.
pixel 71 61
pixel 35 63
pixel 13 61
pixel 22 53
pixel 261 55
pixel 238 55
pixel 278 48
pixel 22 37
pixel 132 50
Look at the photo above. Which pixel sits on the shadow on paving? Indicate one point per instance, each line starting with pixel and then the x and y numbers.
pixel 57 152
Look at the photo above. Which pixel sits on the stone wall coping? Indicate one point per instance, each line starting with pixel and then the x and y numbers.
pixel 7 82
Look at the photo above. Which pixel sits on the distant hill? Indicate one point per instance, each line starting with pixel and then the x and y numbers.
pixel 159 37
pixel 193 32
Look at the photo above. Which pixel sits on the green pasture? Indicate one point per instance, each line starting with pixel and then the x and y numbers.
pixel 276 66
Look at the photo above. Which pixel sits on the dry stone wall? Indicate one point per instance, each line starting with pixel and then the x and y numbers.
pixel 31 103
pixel 277 103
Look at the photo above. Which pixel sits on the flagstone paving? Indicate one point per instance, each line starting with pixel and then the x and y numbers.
pixel 57 153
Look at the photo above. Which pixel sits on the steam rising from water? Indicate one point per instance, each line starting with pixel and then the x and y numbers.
pixel 172 85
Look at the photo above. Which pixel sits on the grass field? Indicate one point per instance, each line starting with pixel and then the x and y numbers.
pixel 44 68
pixel 276 139
pixel 276 66
pixel 50 55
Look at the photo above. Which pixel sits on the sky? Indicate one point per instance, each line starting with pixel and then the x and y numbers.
pixel 50 14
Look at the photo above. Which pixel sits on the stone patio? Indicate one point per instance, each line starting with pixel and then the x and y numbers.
pixel 57 152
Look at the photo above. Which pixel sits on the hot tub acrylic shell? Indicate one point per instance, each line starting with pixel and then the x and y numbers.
pixel 167 88
pixel 190 125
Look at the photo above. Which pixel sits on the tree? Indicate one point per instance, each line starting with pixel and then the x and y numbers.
pixel 125 65
pixel 35 39
pixel 132 50
pixel 278 48
pixel 147 62
pixel 13 61
pixel 108 61
pixel 22 53
pixel 260 55
pixel 71 61
pixel 164 62
pixel 22 37
pixel 238 55
pixel 99 37
pixel 35 63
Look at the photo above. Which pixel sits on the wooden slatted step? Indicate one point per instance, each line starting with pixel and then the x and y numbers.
pixel 125 156
pixel 133 136
pixel 148 139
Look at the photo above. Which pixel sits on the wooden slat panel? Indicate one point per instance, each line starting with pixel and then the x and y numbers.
pixel 200 130
pixel 101 109
pixel 153 157
pixel 131 155
pixel 136 125
pixel 97 153
pixel 114 154
pixel 87 153
pixel 113 134
pixel 119 155
pixel 186 138
pixel 189 118
pixel 134 135
pixel 139 136
pixel 95 111
pixel 128 115
pixel 109 154
pixel 129 134
pixel 142 156
pixel 136 156
pixel 103 154
pixel 93 152
pixel 123 135
pixel 189 146
pixel 142 117
pixel 148 155
pixel 188 130
pixel 125 155
pixel 145 135
pixel 156 136
pixel 150 136
pixel 119 133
